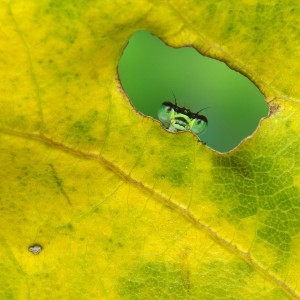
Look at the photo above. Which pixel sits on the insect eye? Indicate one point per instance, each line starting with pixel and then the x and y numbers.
pixel 200 124
pixel 165 113
pixel 201 119
pixel 167 106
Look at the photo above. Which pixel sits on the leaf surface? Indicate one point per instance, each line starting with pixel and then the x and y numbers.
pixel 121 208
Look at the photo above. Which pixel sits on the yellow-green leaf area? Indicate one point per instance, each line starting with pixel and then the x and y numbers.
pixel 121 208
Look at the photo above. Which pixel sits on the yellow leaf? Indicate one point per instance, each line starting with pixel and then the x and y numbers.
pixel 99 202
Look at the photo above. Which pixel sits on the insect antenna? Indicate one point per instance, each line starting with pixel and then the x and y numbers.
pixel 202 109
pixel 174 98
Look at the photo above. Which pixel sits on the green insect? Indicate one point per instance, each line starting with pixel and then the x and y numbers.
pixel 176 119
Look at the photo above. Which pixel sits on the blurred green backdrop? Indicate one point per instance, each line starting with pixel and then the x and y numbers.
pixel 149 71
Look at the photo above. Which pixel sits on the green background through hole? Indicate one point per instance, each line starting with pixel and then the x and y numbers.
pixel 149 71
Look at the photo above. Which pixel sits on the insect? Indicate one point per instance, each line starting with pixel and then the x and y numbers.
pixel 176 119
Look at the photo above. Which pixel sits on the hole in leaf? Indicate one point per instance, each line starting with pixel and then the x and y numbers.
pixel 35 249
pixel 152 73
